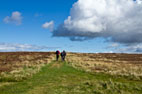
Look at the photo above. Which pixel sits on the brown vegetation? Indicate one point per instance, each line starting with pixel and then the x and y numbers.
pixel 12 60
pixel 111 63
pixel 16 66
pixel 28 63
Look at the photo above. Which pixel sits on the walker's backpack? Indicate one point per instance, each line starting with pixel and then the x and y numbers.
pixel 57 52
pixel 64 53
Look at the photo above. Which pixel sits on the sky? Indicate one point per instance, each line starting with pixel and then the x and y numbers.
pixel 90 26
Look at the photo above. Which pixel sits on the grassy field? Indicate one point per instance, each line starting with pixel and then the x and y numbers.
pixel 62 78
pixel 38 73
pixel 17 66
pixel 126 65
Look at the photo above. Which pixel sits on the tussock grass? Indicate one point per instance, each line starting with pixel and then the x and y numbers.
pixel 126 65
pixel 62 78
pixel 22 65
pixel 34 73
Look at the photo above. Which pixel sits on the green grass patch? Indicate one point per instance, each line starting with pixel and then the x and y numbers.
pixel 61 78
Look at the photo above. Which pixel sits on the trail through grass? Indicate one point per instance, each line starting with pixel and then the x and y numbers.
pixel 62 78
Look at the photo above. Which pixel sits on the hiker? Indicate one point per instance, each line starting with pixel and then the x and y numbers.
pixel 57 54
pixel 63 55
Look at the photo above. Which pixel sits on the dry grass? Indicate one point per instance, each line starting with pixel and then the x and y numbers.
pixel 61 77
pixel 20 65
pixel 128 65
pixel 17 66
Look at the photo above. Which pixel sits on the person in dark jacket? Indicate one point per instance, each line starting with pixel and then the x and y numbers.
pixel 63 55
pixel 57 54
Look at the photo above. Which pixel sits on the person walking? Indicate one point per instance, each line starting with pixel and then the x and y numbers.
pixel 57 54
pixel 63 55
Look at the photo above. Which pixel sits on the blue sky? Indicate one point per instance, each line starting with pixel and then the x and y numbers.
pixel 29 31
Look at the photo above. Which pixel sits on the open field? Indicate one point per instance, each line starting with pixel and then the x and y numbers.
pixel 39 73
pixel 16 66
pixel 62 78
pixel 127 65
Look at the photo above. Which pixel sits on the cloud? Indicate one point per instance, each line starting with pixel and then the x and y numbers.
pixel 119 21
pixel 137 48
pixel 125 48
pixel 48 25
pixel 4 47
pixel 113 45
pixel 15 18
pixel 139 1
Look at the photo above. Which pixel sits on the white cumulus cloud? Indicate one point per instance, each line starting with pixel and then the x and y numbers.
pixel 48 25
pixel 15 18
pixel 5 47
pixel 139 1
pixel 117 20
